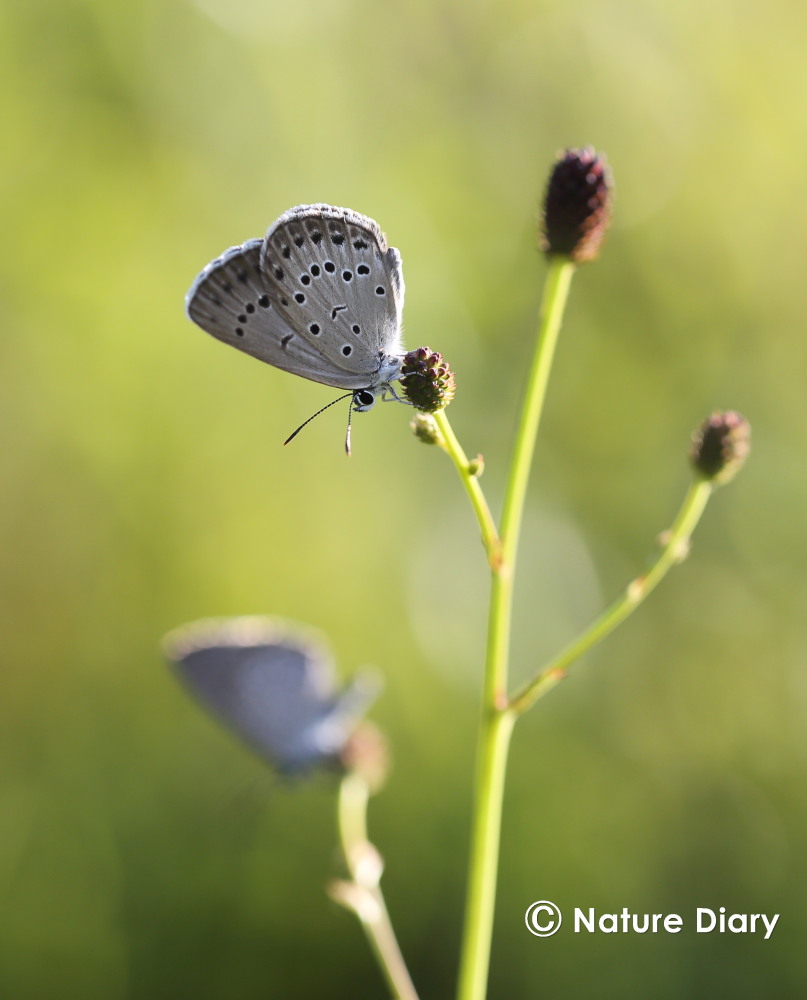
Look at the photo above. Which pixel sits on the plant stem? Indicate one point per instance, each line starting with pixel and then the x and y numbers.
pixel 363 896
pixel 497 719
pixel 675 549
pixel 470 481
pixel 480 904
pixel 556 292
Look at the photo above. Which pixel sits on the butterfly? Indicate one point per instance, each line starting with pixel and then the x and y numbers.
pixel 273 684
pixel 321 296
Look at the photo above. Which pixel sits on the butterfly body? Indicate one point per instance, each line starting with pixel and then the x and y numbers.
pixel 320 296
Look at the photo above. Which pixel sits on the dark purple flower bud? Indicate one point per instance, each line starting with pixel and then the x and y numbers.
pixel 273 684
pixel 577 206
pixel 427 380
pixel 720 446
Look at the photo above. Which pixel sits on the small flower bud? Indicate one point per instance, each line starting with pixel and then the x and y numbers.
pixel 577 206
pixel 425 429
pixel 356 898
pixel 720 446
pixel 366 753
pixel 365 863
pixel 427 380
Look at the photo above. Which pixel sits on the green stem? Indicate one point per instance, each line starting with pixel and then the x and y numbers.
pixel 497 719
pixel 363 896
pixel 494 743
pixel 469 474
pixel 352 814
pixel 556 291
pixel 675 549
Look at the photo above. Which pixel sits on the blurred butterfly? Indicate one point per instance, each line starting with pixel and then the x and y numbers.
pixel 273 684
pixel 321 296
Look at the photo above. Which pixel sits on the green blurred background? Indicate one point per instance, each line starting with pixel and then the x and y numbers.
pixel 143 853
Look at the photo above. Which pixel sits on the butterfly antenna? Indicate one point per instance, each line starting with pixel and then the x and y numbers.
pixel 347 433
pixel 294 434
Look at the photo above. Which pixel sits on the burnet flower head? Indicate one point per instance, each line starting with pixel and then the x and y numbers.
pixel 577 205
pixel 720 446
pixel 427 380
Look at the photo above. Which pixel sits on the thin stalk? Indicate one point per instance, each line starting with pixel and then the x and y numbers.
pixel 470 480
pixel 556 292
pixel 675 548
pixel 363 895
pixel 486 834
pixel 497 719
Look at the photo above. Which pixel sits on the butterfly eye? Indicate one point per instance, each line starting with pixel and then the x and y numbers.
pixel 365 398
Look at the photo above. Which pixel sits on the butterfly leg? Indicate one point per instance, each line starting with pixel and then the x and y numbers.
pixel 395 398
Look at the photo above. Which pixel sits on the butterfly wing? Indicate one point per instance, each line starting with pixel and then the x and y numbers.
pixel 344 712
pixel 337 284
pixel 270 685
pixel 233 301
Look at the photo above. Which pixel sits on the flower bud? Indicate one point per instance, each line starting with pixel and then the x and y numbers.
pixel 720 446
pixel 425 429
pixel 427 380
pixel 577 206
pixel 366 753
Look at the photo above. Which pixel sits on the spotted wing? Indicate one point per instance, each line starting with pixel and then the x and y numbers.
pixel 232 300
pixel 337 285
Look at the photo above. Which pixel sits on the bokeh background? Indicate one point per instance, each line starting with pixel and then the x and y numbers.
pixel 143 852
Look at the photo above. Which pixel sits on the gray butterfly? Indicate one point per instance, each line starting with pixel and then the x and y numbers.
pixel 321 295
pixel 273 684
